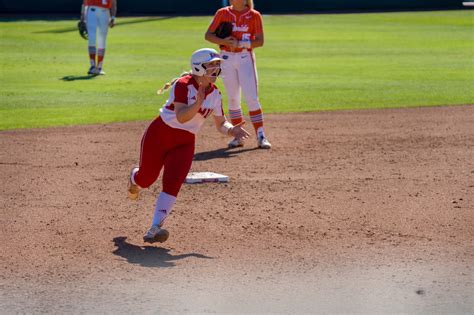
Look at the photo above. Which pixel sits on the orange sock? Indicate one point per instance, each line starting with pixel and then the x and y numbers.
pixel 100 58
pixel 256 117
pixel 235 116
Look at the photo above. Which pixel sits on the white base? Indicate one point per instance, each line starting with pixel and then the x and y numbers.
pixel 205 177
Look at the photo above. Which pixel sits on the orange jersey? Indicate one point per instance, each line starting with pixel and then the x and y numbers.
pixel 246 23
pixel 100 3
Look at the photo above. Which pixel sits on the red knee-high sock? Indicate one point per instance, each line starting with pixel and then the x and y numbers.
pixel 92 53
pixel 100 57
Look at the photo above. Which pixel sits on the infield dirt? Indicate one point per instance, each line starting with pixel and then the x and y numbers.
pixel 365 211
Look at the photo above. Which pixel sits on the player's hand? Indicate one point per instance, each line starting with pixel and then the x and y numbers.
pixel 238 132
pixel 232 42
pixel 201 91
pixel 112 23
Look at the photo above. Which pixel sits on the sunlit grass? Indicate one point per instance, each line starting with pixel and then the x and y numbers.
pixel 308 63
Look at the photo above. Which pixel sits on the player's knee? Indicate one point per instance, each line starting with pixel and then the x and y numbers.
pixel 172 188
pixel 145 180
pixel 234 103
pixel 253 105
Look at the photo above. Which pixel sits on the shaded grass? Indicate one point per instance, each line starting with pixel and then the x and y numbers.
pixel 308 63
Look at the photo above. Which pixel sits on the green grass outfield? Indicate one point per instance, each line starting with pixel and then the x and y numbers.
pixel 308 63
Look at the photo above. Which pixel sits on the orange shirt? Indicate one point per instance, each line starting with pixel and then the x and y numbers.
pixel 246 23
pixel 100 3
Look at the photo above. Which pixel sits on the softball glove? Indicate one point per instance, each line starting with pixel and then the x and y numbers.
pixel 224 30
pixel 81 26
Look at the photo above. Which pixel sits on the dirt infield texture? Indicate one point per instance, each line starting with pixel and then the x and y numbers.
pixel 367 211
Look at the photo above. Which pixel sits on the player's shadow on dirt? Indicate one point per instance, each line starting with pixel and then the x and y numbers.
pixel 148 256
pixel 69 78
pixel 222 153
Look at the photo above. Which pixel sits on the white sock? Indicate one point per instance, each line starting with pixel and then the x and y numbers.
pixel 260 133
pixel 164 204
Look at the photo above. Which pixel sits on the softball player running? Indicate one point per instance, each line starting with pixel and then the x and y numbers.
pixel 238 66
pixel 168 141
pixel 99 15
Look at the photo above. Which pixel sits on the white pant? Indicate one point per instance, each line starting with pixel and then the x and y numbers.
pixel 239 72
pixel 97 20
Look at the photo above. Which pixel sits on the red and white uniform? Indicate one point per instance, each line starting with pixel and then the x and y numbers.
pixel 170 144
pixel 238 67
pixel 185 91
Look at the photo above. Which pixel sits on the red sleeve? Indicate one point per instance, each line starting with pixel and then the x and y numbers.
pixel 216 21
pixel 258 24
pixel 181 92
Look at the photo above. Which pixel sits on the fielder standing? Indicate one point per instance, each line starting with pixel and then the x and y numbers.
pixel 169 140
pixel 99 15
pixel 238 66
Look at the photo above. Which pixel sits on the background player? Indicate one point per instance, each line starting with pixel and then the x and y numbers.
pixel 98 15
pixel 169 140
pixel 238 66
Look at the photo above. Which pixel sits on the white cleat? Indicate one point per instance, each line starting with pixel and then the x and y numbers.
pixel 156 234
pixel 91 70
pixel 235 143
pixel 263 143
pixel 99 71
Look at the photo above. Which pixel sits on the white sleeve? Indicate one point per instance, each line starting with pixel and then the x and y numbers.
pixel 218 110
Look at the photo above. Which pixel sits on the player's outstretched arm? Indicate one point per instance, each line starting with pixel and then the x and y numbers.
pixel 227 128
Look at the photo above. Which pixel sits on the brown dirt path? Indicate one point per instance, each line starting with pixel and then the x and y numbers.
pixel 351 211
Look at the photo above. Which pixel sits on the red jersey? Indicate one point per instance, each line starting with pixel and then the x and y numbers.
pixel 246 23
pixel 185 90
pixel 107 4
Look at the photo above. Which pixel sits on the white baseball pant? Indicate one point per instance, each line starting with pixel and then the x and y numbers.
pixel 239 73
pixel 97 20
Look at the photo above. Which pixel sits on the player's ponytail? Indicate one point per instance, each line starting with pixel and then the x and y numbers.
pixel 170 84
pixel 250 4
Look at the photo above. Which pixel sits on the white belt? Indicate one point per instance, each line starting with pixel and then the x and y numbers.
pixel 97 8
pixel 234 53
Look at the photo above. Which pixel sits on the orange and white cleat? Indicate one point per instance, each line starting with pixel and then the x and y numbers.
pixel 133 189
pixel 91 70
pixel 263 143
pixel 235 143
pixel 99 71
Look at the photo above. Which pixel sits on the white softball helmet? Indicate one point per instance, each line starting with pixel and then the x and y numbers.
pixel 200 57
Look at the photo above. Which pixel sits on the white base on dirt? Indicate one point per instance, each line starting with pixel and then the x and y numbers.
pixel 205 177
